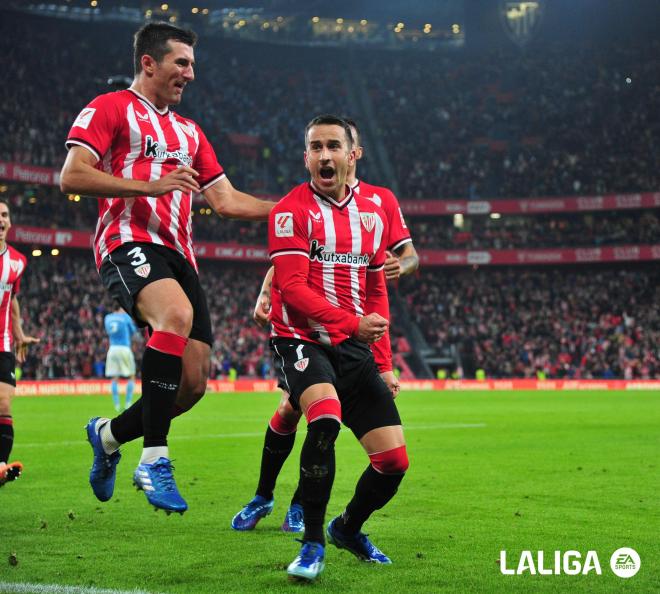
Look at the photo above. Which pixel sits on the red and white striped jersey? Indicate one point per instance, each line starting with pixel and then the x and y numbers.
pixel 12 266
pixel 399 234
pixel 132 139
pixel 328 248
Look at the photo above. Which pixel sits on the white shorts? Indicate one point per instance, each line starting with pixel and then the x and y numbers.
pixel 120 362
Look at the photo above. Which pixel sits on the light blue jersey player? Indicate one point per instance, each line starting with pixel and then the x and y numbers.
pixel 120 361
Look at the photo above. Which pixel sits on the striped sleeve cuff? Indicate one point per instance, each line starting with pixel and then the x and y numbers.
pixel 79 142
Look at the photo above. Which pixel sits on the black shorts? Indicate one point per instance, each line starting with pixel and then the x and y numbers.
pixel 8 368
pixel 366 401
pixel 132 266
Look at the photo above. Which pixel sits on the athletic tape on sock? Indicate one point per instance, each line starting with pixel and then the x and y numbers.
pixel 394 461
pixel 325 408
pixel 168 342
pixel 281 426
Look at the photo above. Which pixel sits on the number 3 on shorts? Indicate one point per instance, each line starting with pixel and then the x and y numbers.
pixel 138 257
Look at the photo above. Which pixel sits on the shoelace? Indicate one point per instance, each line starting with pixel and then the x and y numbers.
pixel 163 476
pixel 295 515
pixel 361 537
pixel 309 550
pixel 108 464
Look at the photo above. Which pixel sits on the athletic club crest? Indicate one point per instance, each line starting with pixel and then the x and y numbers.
pixel 368 220
pixel 521 19
pixel 143 270
pixel 301 364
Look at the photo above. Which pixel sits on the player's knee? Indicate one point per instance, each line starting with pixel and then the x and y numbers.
pixel 288 414
pixel 394 461
pixel 178 319
pixel 324 422
pixel 283 425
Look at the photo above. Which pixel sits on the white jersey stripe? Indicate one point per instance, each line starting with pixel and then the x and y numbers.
pixel 285 319
pixel 6 300
pixel 378 234
pixel 156 170
pixel 330 246
pixel 177 197
pixel 356 238
pixel 135 137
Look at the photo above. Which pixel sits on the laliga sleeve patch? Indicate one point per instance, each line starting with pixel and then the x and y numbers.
pixel 284 224
pixel 84 118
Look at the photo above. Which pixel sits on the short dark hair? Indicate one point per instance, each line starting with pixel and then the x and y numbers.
pixel 327 119
pixel 6 203
pixel 152 40
pixel 352 124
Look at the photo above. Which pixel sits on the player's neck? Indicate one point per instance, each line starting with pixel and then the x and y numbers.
pixel 3 245
pixel 337 195
pixel 141 87
pixel 351 179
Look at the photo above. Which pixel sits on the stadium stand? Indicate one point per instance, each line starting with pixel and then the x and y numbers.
pixel 575 322
pixel 502 125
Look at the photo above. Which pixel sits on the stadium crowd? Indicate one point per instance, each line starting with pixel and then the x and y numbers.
pixel 46 206
pixel 567 322
pixel 582 322
pixel 569 230
pixel 564 120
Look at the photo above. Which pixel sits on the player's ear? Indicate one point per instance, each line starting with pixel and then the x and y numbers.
pixel 148 64
pixel 351 156
pixel 305 158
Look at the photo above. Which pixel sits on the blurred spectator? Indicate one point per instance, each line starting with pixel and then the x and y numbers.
pixel 558 120
pixel 570 322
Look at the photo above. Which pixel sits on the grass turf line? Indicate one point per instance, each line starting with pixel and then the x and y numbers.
pixel 489 471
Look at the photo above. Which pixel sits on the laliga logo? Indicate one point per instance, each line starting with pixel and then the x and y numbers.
pixel 625 563
pixel 568 563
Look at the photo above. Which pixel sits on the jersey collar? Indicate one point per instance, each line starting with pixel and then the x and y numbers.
pixel 332 201
pixel 148 103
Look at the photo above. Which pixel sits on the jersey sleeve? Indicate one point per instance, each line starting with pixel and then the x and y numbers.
pixel 380 243
pixel 95 126
pixel 287 231
pixel 206 163
pixel 16 289
pixel 398 230
pixel 377 302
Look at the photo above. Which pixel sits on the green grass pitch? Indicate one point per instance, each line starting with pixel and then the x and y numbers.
pixel 489 472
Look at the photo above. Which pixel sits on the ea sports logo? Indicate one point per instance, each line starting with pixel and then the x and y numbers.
pixel 625 562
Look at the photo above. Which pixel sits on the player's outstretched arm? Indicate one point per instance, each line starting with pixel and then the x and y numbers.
pixel 80 176
pixel 261 313
pixel 21 340
pixel 228 202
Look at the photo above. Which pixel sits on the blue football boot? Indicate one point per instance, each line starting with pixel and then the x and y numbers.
pixel 249 516
pixel 157 482
pixel 294 520
pixel 309 563
pixel 104 468
pixel 358 544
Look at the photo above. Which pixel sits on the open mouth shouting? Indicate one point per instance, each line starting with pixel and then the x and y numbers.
pixel 326 172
